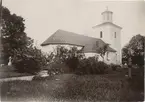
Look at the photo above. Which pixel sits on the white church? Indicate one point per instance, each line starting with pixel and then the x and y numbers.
pixel 107 32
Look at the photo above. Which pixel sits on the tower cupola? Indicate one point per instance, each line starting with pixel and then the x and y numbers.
pixel 107 16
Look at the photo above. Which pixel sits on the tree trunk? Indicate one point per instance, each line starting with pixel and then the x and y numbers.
pixel 102 57
pixel 129 67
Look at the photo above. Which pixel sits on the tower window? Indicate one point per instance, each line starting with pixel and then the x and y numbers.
pixel 101 34
pixel 115 35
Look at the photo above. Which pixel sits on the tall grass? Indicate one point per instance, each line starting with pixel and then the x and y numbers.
pixel 88 88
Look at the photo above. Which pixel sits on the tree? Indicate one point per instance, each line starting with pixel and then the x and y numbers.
pixel 102 50
pixel 135 50
pixel 133 54
pixel 13 34
pixel 16 43
pixel 30 60
pixel 69 56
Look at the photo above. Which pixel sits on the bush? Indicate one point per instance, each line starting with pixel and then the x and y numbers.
pixel 72 63
pixel 91 66
pixel 114 66
pixel 69 57
pixel 57 67
pixel 29 60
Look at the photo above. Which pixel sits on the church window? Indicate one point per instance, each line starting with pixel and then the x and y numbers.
pixel 101 34
pixel 115 35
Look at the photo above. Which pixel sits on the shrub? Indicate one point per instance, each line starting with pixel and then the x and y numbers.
pixel 91 66
pixel 102 67
pixel 57 67
pixel 68 56
pixel 29 60
pixel 114 66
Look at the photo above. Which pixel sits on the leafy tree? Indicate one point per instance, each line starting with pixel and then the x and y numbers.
pixel 133 54
pixel 16 43
pixel 70 57
pixel 102 50
pixel 13 34
pixel 30 60
pixel 135 50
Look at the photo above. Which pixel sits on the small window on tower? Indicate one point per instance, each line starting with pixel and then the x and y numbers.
pixel 101 34
pixel 115 35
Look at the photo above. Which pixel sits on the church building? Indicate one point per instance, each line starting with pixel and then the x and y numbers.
pixel 108 32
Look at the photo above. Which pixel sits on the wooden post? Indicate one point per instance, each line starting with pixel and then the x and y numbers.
pixel 129 67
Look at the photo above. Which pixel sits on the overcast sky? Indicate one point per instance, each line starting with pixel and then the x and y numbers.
pixel 44 17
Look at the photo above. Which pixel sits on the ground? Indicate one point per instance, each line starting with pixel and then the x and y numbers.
pixel 68 88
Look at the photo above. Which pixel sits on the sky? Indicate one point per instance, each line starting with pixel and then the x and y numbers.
pixel 44 17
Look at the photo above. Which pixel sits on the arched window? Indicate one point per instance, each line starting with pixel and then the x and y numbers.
pixel 115 35
pixel 101 34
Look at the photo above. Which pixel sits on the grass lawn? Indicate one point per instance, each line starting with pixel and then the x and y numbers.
pixel 68 87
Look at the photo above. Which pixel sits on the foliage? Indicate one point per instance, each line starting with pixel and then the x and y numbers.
pixel 114 66
pixel 102 50
pixel 13 35
pixel 91 66
pixel 68 56
pixel 134 50
pixel 74 60
pixel 68 88
pixel 57 68
pixel 19 46
pixel 29 60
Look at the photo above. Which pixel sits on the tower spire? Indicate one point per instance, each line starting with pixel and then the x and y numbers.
pixel 107 15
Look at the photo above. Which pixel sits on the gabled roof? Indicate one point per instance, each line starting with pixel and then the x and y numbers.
pixel 70 38
pixel 108 23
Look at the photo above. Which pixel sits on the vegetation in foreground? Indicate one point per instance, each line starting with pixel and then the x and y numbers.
pixel 27 58
pixel 69 87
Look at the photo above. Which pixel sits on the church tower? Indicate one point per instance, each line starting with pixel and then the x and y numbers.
pixel 111 34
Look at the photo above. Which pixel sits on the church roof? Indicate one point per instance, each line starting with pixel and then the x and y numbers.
pixel 69 38
pixel 108 23
pixel 107 11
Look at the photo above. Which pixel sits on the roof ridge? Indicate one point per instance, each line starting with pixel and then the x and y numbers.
pixel 77 34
